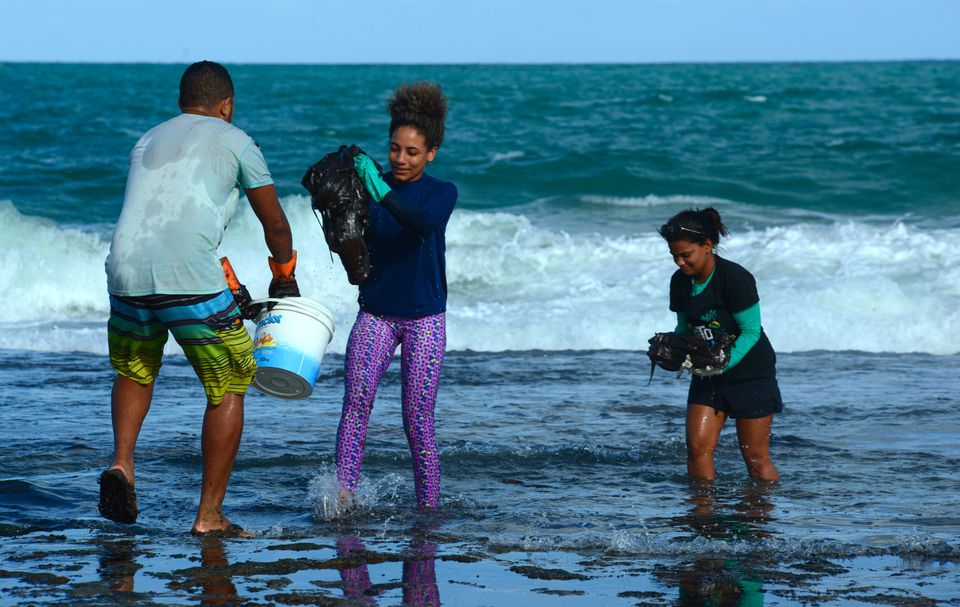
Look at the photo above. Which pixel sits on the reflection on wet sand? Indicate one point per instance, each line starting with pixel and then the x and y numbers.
pixel 714 581
pixel 216 581
pixel 213 579
pixel 710 516
pixel 419 575
pixel 118 565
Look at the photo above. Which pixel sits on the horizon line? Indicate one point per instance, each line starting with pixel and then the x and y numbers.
pixel 493 63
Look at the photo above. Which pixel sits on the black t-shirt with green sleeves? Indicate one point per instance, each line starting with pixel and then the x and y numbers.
pixel 731 289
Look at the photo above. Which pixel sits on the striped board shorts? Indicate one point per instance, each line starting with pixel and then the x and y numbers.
pixel 208 328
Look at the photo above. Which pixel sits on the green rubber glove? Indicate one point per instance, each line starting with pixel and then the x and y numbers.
pixel 370 176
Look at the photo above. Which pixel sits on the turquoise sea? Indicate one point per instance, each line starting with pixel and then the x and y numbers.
pixel 563 471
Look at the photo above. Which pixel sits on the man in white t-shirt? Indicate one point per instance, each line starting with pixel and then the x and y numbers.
pixel 164 276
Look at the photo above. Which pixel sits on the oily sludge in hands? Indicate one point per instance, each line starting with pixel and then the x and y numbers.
pixel 678 351
pixel 338 196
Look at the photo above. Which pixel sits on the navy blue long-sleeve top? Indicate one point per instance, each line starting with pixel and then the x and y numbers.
pixel 406 239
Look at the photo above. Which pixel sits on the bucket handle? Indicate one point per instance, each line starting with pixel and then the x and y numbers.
pixel 270 302
pixel 266 303
pixel 267 300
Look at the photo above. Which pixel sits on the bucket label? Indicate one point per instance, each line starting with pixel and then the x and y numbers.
pixel 270 319
pixel 264 340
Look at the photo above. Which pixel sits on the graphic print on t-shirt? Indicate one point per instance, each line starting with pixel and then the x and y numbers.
pixel 711 328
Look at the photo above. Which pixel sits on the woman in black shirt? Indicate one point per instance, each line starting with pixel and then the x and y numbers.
pixel 714 296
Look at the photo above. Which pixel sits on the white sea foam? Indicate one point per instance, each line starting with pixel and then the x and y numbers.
pixel 652 201
pixel 505 156
pixel 664 543
pixel 517 285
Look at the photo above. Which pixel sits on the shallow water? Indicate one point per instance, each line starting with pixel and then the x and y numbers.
pixel 563 476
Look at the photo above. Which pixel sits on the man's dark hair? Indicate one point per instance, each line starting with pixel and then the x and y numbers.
pixel 205 84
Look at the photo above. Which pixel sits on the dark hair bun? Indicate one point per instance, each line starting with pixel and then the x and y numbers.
pixel 425 98
pixel 695 225
pixel 714 216
pixel 421 105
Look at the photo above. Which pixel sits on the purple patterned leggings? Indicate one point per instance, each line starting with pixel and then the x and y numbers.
pixel 370 349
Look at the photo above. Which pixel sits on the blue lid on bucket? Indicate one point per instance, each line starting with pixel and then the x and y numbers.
pixel 281 383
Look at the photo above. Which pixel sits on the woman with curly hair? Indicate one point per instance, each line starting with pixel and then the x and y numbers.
pixel 715 297
pixel 403 301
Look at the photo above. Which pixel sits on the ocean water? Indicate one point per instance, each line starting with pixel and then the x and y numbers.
pixel 839 183
pixel 563 470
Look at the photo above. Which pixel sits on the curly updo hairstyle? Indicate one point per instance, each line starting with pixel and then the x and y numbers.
pixel 695 225
pixel 421 105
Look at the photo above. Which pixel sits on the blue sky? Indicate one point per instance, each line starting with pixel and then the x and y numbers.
pixel 491 31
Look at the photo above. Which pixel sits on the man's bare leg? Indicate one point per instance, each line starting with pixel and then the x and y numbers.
pixel 129 405
pixel 130 402
pixel 220 441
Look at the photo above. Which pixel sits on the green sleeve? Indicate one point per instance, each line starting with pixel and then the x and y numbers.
pixel 682 324
pixel 749 322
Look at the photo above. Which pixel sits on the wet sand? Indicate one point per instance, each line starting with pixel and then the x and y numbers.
pixel 108 566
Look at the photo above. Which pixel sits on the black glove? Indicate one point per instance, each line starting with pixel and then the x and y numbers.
pixel 248 310
pixel 284 284
pixel 280 288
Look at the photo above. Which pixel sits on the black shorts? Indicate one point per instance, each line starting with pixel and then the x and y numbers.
pixel 749 399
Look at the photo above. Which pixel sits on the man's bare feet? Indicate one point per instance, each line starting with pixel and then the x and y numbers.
pixel 118 498
pixel 220 528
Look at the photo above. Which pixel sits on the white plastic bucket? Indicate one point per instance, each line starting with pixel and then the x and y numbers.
pixel 289 345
